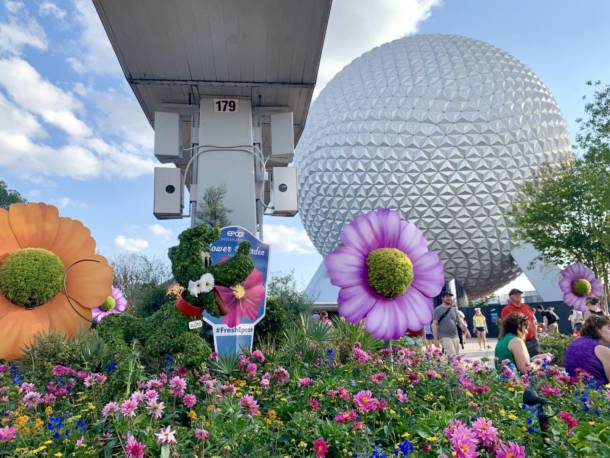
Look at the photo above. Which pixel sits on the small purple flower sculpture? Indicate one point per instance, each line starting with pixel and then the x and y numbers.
pixel 386 273
pixel 114 304
pixel 577 283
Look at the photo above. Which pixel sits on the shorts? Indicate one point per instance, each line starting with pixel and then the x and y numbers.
pixel 429 337
pixel 480 329
pixel 451 345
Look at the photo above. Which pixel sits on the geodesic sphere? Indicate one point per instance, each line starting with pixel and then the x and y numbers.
pixel 443 128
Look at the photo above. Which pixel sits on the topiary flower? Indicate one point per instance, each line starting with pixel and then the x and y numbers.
pixel 114 304
pixel 243 299
pixel 37 250
pixel 577 283
pixel 386 274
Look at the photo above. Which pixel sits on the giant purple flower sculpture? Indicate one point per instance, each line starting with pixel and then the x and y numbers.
pixel 577 283
pixel 113 304
pixel 386 273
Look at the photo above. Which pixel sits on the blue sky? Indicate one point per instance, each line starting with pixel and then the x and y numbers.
pixel 72 133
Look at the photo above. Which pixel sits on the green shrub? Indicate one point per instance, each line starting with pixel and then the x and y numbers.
pixel 148 299
pixel 31 277
pixel 556 344
pixel 275 322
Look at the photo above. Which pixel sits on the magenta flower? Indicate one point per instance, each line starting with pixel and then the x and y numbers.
pixel 177 386
pixel 32 399
pixel 365 402
pixel 116 303
pixel 251 369
pixel 386 273
pixel 259 356
pixel 305 381
pixel 577 283
pixel 550 391
pixel 315 405
pixel 510 450
pixel 134 448
pixel 464 444
pixel 243 299
pixel 249 403
pixel 110 408
pixel 569 420
pixel 128 408
pixel 201 434
pixel 320 448
pixel 189 400
pixel 7 434
pixel 485 432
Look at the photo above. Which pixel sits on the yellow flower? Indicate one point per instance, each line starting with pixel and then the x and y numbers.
pixel 39 449
pixel 441 397
pixel 192 415
pixel 59 454
pixel 303 444
pixel 49 442
pixel 512 417
pixel 38 424
pixel 432 439
pixel 405 435
pixel 502 412
pixel 91 406
pixel 48 410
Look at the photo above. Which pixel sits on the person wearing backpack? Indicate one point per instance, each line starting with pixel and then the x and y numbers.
pixel 445 322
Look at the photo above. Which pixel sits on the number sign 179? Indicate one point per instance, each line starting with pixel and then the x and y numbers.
pixel 225 105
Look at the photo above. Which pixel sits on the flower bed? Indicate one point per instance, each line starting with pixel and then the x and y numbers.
pixel 395 402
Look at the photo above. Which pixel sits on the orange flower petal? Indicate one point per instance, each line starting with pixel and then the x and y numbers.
pixel 6 306
pixel 73 242
pixel 8 242
pixel 90 283
pixel 18 330
pixel 63 318
pixel 34 225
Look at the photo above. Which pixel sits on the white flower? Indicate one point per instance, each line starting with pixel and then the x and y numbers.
pixel 206 283
pixel 166 436
pixel 194 287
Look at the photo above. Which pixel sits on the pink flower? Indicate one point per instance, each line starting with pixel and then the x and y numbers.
pixel 251 369
pixel 138 396
pixel 26 388
pixel 243 299
pixel 381 404
pixel 365 402
pixel 463 443
pixel 343 417
pixel 569 420
pixel 485 432
pixel 151 395
pixel 281 376
pixel 201 434
pixel 213 356
pixel 189 400
pixel 320 448
pixel 343 393
pixel 550 391
pixel 265 382
pixel 7 434
pixel 401 396
pixel 432 374
pixel 177 386
pixel 358 425
pixel 32 399
pixel 248 402
pixel 134 448
pixel 227 390
pixel 510 450
pixel 60 371
pixel 258 355
pixel 315 405
pixel 306 381
pixel 155 409
pixel 128 408
pixel 166 436
pixel 377 378
pixel 360 355
pixel 110 408
pixel 452 427
pixel 80 442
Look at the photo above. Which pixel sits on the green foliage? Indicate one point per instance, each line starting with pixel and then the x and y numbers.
pixel 593 138
pixel 225 366
pixel 283 290
pixel 346 334
pixel 212 211
pixel 9 197
pixel 304 341
pixel 556 344
pixel 273 324
pixel 31 277
pixel 188 263
pixel 149 298
pixel 163 333
pixel 390 271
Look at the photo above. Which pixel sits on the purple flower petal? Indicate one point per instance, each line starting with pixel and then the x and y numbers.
pixel 355 302
pixel 412 241
pixel 419 309
pixel 428 274
pixel 345 267
pixel 352 238
pixel 386 321
pixel 391 227
pixel 597 289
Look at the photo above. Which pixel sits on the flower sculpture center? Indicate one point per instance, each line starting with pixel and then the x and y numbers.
pixel 390 271
pixel 30 277
pixel 109 304
pixel 238 291
pixel 582 287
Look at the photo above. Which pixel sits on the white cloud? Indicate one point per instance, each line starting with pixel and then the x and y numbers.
pixel 130 244
pixel 97 55
pixel 51 9
pixel 20 32
pixel 37 95
pixel 355 26
pixel 160 231
pixel 288 239
pixel 12 6
pixel 64 202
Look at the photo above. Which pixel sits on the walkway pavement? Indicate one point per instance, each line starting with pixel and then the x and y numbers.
pixel 471 349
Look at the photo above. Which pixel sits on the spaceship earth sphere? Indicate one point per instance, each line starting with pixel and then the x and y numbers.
pixel 443 128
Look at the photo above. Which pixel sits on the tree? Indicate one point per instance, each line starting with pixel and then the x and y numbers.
pixel 212 211
pixel 9 196
pixel 283 291
pixel 136 274
pixel 564 212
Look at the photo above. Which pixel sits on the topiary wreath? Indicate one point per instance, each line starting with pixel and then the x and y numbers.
pixel 193 270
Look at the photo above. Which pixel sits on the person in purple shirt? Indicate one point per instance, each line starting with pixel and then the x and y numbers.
pixel 590 351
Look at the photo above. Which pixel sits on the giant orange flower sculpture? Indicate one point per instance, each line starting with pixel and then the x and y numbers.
pixel 39 265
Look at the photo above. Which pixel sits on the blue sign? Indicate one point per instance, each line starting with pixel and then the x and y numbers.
pixel 246 301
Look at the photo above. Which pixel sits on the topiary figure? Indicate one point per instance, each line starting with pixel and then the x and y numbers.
pixel 192 268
